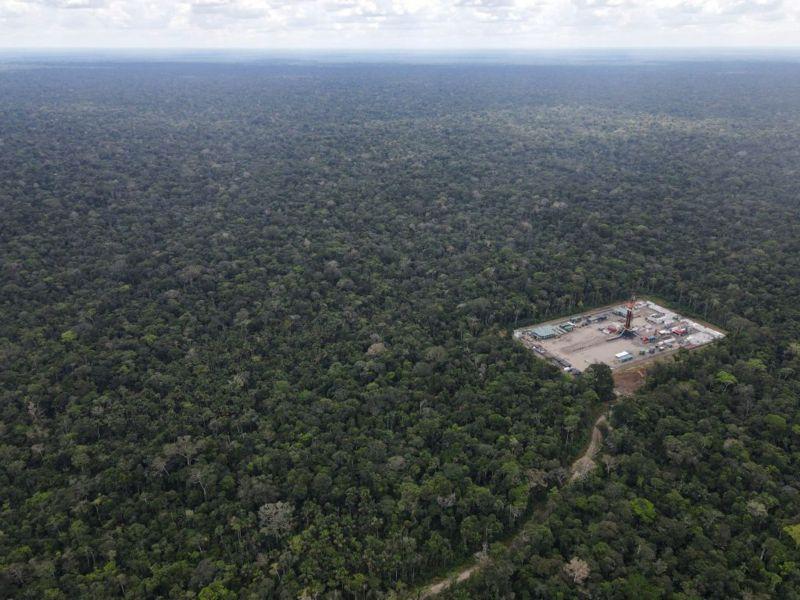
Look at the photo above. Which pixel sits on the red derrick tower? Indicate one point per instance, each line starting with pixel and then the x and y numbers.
pixel 629 315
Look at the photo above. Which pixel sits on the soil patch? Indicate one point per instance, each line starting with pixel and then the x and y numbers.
pixel 627 381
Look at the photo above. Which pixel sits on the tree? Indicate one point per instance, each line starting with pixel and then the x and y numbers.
pixel 725 380
pixel 643 509
pixel 599 378
pixel 577 570
pixel 794 532
pixel 216 591
pixel 276 519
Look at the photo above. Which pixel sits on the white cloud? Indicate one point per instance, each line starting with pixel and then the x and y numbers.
pixel 12 9
pixel 75 4
pixel 399 23
pixel 234 9
pixel 694 13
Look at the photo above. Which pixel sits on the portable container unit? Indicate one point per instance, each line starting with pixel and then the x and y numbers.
pixel 624 356
pixel 545 332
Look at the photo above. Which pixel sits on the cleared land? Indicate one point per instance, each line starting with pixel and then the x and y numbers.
pixel 599 336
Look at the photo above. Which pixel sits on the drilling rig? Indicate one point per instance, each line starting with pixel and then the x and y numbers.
pixel 629 317
pixel 627 330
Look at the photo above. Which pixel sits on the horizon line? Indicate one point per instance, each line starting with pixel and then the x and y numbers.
pixel 402 49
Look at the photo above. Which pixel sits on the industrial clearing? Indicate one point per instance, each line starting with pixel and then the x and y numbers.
pixel 620 336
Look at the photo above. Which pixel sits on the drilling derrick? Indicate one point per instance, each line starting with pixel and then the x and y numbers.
pixel 629 315
pixel 627 330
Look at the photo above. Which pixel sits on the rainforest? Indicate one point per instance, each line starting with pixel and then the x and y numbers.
pixel 256 317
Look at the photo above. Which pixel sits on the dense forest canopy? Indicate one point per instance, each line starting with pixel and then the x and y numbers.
pixel 254 328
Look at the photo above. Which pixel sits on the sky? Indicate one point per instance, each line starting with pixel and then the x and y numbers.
pixel 399 24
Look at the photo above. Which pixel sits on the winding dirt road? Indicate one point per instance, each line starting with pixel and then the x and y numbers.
pixel 579 469
pixel 585 463
pixel 440 586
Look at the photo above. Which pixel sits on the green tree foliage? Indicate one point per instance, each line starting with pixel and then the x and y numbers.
pixel 793 531
pixel 725 379
pixel 695 493
pixel 254 328
pixel 643 509
pixel 600 379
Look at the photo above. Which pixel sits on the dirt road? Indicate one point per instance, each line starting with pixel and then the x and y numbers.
pixel 585 463
pixel 436 588
pixel 582 466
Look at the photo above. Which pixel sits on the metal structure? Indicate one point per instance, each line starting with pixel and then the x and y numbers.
pixel 629 315
pixel 627 330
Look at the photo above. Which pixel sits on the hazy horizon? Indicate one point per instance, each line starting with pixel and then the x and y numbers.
pixel 509 56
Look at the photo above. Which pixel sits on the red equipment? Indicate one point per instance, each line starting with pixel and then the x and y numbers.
pixel 629 316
